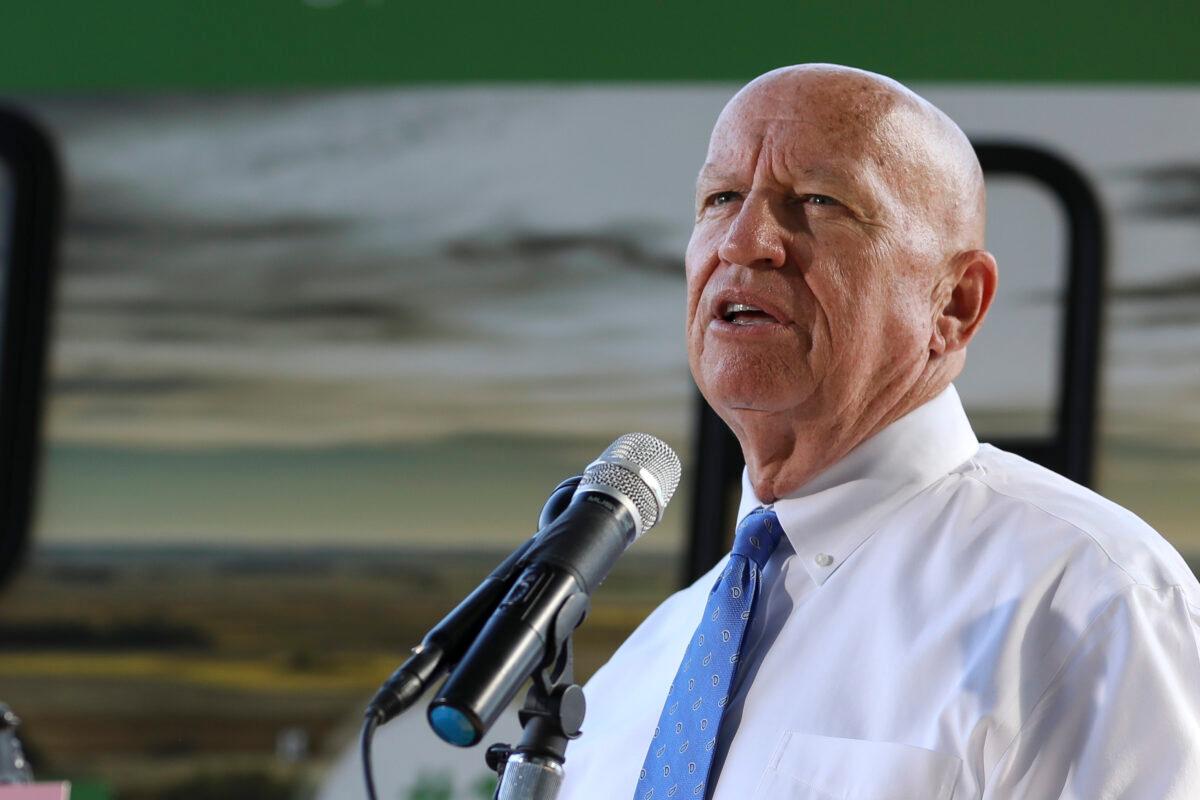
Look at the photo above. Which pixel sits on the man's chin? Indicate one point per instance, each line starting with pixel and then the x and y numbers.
pixel 757 397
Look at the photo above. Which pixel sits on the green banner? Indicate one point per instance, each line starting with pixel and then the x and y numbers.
pixel 74 45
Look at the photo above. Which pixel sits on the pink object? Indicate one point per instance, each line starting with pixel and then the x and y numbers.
pixel 36 791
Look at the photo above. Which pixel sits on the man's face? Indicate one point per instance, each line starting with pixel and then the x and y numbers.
pixel 812 264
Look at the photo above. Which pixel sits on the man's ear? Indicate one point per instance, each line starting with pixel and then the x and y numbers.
pixel 964 299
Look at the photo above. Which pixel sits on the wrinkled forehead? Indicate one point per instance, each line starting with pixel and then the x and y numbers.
pixel 850 116
pixel 802 142
pixel 861 138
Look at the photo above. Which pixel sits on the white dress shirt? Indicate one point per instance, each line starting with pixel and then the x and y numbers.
pixel 942 621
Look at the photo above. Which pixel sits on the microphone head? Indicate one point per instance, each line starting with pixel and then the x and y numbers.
pixel 639 470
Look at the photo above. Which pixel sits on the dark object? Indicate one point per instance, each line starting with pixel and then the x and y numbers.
pixel 14 767
pixel 370 723
pixel 552 716
pixel 444 646
pixel 1069 450
pixel 446 643
pixel 623 493
pixel 554 707
pixel 558 501
pixel 535 619
pixel 528 634
pixel 29 227
pixel 440 650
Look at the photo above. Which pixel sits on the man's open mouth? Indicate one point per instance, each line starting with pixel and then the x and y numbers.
pixel 744 314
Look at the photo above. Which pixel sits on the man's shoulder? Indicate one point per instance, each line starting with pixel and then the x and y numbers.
pixel 1054 512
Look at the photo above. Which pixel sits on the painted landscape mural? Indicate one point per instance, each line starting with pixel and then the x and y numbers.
pixel 320 357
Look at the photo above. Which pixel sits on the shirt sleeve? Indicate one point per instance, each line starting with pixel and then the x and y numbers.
pixel 1121 719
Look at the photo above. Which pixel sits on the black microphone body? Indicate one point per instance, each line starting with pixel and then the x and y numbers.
pixel 447 641
pixel 568 560
pixel 436 653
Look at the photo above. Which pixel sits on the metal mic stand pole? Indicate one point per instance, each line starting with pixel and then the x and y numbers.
pixel 552 716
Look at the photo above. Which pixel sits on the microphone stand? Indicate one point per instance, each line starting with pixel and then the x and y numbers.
pixel 551 717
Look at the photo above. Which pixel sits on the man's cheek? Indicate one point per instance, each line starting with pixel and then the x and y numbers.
pixel 692 300
pixel 696 278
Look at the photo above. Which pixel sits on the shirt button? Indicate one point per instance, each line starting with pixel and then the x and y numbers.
pixel 823 559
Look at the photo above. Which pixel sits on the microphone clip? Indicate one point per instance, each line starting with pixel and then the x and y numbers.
pixel 551 716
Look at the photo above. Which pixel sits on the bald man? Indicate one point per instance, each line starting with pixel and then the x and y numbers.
pixel 906 613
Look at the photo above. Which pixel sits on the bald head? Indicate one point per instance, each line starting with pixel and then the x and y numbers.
pixel 919 151
pixel 835 270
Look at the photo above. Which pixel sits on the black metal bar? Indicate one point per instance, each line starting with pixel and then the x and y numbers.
pixel 1082 318
pixel 718 467
pixel 1070 450
pixel 28 159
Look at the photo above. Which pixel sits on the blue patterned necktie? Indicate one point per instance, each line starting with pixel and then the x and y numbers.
pixel 685 738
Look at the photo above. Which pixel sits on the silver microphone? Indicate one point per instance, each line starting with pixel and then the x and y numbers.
pixel 622 495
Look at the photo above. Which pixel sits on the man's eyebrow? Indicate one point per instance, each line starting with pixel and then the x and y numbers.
pixel 825 174
pixel 713 174
pixel 846 184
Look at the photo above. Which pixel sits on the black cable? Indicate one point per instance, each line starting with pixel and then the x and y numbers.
pixel 368 731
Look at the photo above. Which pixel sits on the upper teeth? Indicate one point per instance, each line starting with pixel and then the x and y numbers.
pixel 735 308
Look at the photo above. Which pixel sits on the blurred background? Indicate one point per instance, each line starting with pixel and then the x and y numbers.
pixel 344 288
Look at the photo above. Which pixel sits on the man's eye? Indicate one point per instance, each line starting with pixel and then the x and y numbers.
pixel 721 198
pixel 818 200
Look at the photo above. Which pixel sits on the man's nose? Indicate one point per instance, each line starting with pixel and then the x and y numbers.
pixel 755 237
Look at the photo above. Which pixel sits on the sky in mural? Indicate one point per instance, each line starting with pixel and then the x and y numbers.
pixel 299 316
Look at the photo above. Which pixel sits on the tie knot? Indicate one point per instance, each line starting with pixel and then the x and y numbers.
pixel 757 536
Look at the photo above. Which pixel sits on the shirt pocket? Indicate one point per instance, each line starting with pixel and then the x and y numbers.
pixel 809 767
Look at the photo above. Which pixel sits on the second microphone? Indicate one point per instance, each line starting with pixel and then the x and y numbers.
pixel 622 495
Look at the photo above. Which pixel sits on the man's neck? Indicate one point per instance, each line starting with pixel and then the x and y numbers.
pixel 784 451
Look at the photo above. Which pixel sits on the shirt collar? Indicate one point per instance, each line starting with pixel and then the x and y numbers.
pixel 829 517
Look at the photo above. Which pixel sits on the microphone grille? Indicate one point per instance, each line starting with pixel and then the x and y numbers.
pixel 642 468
